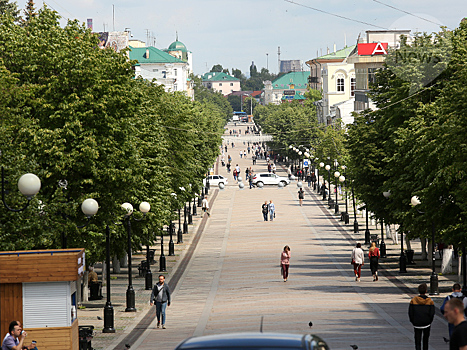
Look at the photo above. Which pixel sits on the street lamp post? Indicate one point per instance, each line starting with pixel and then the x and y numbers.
pixel 162 260
pixel 346 214
pixel 185 222
pixel 321 190
pixel 144 207
pixel 355 222
pixel 434 276
pixel 28 184
pixel 367 230
pixel 190 216
pixel 108 308
pixel 402 258
pixel 328 168
pixel 382 245
pixel 179 232
pixel 194 205
pixel 317 175
pixel 171 230
pixel 336 205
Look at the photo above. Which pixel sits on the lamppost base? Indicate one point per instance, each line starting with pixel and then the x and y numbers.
pixel 336 208
pixel 346 218
pixel 171 248
pixel 185 227
pixel 200 201
pixel 382 249
pixel 194 210
pixel 130 300
pixel 179 236
pixel 108 318
pixel 162 264
pixel 367 236
pixel 355 226
pixel 434 284
pixel 190 219
pixel 148 280
pixel 402 263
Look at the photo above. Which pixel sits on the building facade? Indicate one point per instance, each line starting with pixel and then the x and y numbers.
pixel 221 82
pixel 286 85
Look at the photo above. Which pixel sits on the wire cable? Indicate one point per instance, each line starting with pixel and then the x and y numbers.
pixel 334 14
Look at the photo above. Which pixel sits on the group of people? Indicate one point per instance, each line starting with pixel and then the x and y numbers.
pixel 454 309
pixel 268 209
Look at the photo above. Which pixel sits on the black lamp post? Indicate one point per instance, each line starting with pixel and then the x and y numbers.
pixel 367 230
pixel 171 229
pixel 355 222
pixel 108 308
pixel 464 272
pixel 336 175
pixel 328 168
pixel 144 207
pixel 162 261
pixel 185 222
pixel 200 198
pixel 382 245
pixel 179 232
pixel 28 184
pixel 148 276
pixel 402 258
pixel 194 206
pixel 434 276
pixel 317 176
pixel 190 216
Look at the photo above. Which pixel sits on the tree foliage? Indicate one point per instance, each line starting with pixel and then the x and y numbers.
pixel 74 114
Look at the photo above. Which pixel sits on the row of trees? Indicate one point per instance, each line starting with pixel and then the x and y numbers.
pixel 414 143
pixel 74 114
pixel 296 124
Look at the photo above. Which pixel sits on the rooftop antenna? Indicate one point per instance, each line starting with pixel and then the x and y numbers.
pixel 176 35
pixel 279 58
pixel 113 17
pixel 261 325
pixel 147 38
pixel 345 40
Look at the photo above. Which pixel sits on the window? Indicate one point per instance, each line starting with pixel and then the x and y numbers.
pixel 231 84
pixel 164 74
pixel 353 83
pixel 371 76
pixel 175 87
pixel 155 70
pixel 340 83
pixel 175 72
pixel 220 84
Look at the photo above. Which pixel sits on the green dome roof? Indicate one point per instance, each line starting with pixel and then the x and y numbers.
pixel 177 46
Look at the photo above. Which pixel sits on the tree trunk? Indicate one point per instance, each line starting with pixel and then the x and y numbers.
pixel 116 265
pixel 407 243
pixel 124 261
pixel 446 265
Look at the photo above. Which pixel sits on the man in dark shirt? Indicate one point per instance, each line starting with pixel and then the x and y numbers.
pixel 421 314
pixel 454 313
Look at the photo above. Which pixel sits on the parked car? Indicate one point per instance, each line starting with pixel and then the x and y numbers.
pixel 269 179
pixel 254 341
pixel 215 180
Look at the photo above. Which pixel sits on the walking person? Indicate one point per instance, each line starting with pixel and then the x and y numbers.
pixel 454 313
pixel 272 210
pixel 374 256
pixel 285 262
pixel 456 293
pixel 205 205
pixel 357 261
pixel 301 195
pixel 160 296
pixel 421 314
pixel 265 210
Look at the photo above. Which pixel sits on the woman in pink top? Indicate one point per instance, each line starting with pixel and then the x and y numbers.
pixel 285 256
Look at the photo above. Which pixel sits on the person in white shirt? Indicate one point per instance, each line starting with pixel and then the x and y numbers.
pixel 357 261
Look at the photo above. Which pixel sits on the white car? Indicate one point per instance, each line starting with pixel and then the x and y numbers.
pixel 215 180
pixel 269 179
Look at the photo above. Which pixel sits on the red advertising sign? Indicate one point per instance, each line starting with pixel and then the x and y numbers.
pixel 373 49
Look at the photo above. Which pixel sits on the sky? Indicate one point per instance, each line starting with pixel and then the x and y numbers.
pixel 235 33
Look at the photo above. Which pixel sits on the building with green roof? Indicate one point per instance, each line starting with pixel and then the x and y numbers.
pixel 162 68
pixel 179 50
pixel 286 85
pixel 222 82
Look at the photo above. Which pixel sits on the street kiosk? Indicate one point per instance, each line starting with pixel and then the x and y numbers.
pixel 39 288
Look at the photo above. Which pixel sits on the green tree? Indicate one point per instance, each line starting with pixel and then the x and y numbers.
pixel 30 11
pixel 235 101
pixel 9 8
pixel 217 68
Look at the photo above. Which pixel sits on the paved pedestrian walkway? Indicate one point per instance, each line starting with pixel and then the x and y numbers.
pixel 233 278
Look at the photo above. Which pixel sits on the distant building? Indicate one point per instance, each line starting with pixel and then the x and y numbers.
pixel 290 66
pixel 222 82
pixel 286 85
pixel 166 69
pixel 179 50
pixel 368 56
pixel 332 74
pixel 137 43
